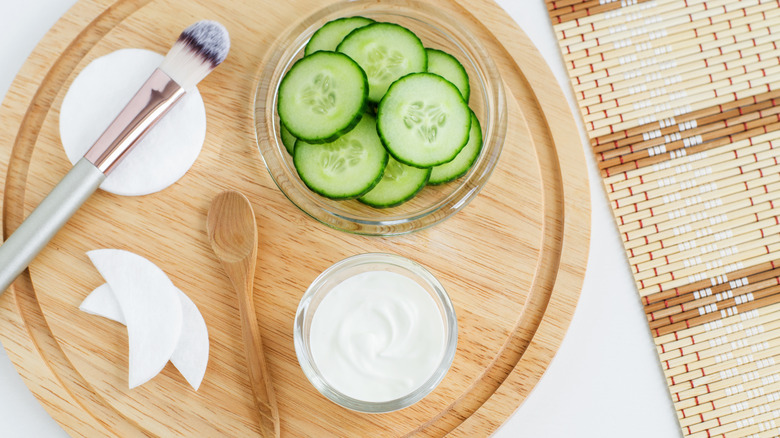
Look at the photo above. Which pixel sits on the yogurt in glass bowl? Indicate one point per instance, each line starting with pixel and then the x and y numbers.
pixel 375 333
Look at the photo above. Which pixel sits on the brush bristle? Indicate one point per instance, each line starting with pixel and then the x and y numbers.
pixel 201 47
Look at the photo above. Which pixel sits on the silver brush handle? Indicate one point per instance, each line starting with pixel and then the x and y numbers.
pixel 43 223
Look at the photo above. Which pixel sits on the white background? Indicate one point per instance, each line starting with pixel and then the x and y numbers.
pixel 605 380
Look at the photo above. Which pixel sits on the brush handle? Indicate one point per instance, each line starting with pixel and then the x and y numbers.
pixel 43 223
pixel 149 104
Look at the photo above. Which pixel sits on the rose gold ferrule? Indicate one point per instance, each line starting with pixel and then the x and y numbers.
pixel 156 96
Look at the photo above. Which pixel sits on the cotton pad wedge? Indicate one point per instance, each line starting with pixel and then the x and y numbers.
pixel 98 94
pixel 192 351
pixel 151 308
pixel 191 354
pixel 101 302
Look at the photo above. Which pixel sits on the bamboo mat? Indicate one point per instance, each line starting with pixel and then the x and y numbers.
pixel 681 100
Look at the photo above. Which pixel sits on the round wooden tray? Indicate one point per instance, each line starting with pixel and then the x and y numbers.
pixel 512 260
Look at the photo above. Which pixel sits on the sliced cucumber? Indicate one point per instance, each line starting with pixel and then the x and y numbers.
pixel 288 140
pixel 322 97
pixel 346 168
pixel 464 160
pixel 423 120
pixel 386 52
pixel 399 183
pixel 448 67
pixel 331 33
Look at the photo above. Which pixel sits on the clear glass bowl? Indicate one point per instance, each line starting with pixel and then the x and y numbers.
pixel 434 203
pixel 347 268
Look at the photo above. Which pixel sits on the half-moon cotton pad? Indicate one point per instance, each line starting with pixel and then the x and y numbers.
pixel 150 305
pixel 101 302
pixel 97 95
pixel 192 351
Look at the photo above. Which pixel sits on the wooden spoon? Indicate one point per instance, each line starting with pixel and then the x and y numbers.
pixel 233 235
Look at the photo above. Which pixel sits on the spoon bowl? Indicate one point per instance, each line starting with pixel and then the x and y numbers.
pixel 232 228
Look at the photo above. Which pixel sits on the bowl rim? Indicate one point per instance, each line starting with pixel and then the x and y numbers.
pixel 285 51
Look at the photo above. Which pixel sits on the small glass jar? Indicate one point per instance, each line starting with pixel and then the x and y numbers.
pixel 335 275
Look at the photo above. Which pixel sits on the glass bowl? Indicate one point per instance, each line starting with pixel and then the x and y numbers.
pixel 335 275
pixel 434 203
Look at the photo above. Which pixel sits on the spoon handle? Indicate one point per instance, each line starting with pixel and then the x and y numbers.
pixel 259 376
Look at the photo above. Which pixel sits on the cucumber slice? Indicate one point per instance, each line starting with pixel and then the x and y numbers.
pixel 464 160
pixel 331 33
pixel 288 140
pixel 386 52
pixel 399 183
pixel 423 120
pixel 346 168
pixel 448 67
pixel 322 97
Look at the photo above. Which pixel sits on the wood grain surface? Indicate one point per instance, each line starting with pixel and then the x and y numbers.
pixel 512 260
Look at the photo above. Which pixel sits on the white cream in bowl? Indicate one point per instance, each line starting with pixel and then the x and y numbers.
pixel 375 332
pixel 377 336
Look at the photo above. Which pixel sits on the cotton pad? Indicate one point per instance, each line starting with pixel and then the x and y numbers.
pixel 191 354
pixel 151 307
pixel 101 302
pixel 99 93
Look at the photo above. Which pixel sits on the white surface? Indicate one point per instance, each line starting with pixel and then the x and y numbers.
pixel 605 380
pixel 97 95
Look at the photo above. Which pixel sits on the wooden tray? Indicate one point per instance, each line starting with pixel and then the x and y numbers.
pixel 512 260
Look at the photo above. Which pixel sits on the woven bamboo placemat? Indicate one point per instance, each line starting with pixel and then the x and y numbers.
pixel 681 101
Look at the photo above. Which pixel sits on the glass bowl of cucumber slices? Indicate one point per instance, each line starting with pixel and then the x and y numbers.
pixel 380 117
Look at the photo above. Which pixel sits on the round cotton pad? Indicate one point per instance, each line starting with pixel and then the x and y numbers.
pixel 97 95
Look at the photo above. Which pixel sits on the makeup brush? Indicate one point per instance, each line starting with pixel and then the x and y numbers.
pixel 200 48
